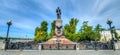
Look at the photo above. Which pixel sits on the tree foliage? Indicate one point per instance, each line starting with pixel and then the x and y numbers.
pixel 88 33
pixel 52 30
pixel 41 32
pixel 70 29
pixel 98 29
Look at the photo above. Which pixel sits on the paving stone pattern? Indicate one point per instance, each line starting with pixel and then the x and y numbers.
pixel 60 52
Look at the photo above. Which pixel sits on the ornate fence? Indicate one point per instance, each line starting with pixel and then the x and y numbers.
pixel 23 45
pixel 58 46
pixel 84 45
pixel 94 46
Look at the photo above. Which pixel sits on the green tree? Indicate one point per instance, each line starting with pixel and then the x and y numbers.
pixel 44 26
pixel 73 23
pixel 70 29
pixel 97 30
pixel 41 33
pixel 52 30
pixel 87 33
pixel 36 30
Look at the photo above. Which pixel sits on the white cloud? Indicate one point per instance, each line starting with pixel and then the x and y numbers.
pixel 26 24
pixel 49 5
pixel 99 5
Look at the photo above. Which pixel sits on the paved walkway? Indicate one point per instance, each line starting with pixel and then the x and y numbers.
pixel 61 52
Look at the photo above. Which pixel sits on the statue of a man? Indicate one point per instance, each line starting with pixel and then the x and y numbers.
pixel 58 11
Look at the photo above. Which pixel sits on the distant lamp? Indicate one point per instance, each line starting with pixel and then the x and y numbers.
pixel 9 22
pixel 109 22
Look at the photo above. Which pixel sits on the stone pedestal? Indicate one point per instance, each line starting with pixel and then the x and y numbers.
pixel 62 41
pixel 58 28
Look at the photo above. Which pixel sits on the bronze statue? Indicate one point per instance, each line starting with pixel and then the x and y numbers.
pixel 58 11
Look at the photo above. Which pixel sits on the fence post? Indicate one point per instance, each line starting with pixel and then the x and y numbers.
pixel 3 46
pixel 116 46
pixel 40 46
pixel 77 46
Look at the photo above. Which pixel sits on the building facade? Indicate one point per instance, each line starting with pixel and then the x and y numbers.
pixel 106 35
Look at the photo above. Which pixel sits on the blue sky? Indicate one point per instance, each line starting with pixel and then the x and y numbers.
pixel 28 14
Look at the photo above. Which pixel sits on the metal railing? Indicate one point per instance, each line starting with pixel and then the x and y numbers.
pixel 81 45
pixel 58 47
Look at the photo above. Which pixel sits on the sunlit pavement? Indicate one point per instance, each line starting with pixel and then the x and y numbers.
pixel 60 52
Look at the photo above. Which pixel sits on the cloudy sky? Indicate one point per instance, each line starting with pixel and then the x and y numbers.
pixel 27 14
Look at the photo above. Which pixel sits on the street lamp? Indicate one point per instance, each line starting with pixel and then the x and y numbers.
pixel 9 23
pixel 109 22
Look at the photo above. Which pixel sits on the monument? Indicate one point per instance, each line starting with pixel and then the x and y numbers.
pixel 59 36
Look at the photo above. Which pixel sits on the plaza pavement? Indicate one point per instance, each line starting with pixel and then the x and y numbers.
pixel 60 52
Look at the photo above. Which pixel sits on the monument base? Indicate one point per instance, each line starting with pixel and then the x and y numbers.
pixel 62 39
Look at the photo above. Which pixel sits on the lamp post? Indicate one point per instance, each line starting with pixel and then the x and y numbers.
pixel 109 22
pixel 9 23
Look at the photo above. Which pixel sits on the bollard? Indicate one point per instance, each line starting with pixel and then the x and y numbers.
pixel 39 47
pixel 77 46
pixel 3 46
pixel 116 46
